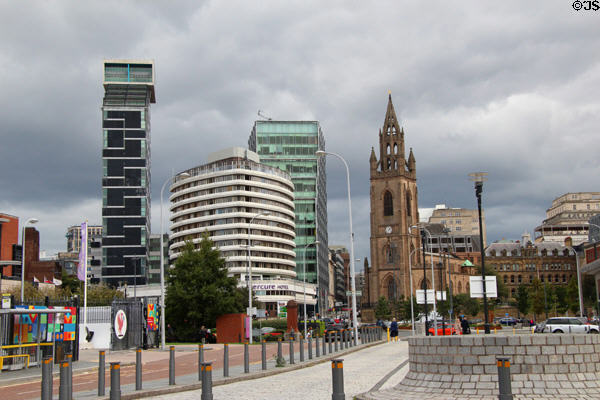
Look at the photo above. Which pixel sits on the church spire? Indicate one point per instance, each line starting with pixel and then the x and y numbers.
pixel 391 140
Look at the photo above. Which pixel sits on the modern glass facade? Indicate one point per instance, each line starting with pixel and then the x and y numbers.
pixel 128 93
pixel 154 257
pixel 291 146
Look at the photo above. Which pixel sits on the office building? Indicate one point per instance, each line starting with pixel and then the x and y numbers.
pixel 128 93
pixel 154 257
pixel 236 199
pixel 568 216
pixel 291 146
pixel 461 222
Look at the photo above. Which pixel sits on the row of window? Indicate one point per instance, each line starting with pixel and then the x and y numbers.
pixel 543 278
pixel 286 139
pixel 230 188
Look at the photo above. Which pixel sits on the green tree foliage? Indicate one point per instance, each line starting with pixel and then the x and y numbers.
pixel 465 305
pixel 561 299
pixel 382 310
pixel 199 290
pixel 523 300
pixel 573 295
pixel 97 295
pixel 538 303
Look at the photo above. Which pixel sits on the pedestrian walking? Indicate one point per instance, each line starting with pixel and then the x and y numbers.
pixel 394 330
pixel 203 334
pixel 464 325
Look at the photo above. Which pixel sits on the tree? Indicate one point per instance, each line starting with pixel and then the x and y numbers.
pixel 464 304
pixel 523 300
pixel 199 290
pixel 561 299
pixel 573 295
pixel 382 309
pixel 538 301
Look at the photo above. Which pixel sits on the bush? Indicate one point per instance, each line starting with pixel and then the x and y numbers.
pixel 280 323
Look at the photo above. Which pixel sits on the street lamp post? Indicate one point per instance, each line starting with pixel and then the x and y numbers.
pixel 264 213
pixel 163 313
pixel 432 279
pixel 29 221
pixel 451 311
pixel 425 283
pixel 479 178
pixel 320 153
pixel 580 289
pixel 316 243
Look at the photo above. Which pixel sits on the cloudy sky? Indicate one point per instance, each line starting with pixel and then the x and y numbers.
pixel 506 87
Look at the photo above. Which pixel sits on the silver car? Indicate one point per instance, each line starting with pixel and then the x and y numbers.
pixel 566 325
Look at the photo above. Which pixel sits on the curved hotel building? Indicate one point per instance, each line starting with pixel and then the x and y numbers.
pixel 238 201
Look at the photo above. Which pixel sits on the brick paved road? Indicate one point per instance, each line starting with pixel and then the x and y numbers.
pixel 363 370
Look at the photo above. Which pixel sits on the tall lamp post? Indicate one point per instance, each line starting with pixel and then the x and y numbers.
pixel 321 153
pixel 451 310
pixel 264 213
pixel 479 178
pixel 29 221
pixel 425 282
pixel 432 277
pixel 163 313
pixel 412 311
pixel 315 243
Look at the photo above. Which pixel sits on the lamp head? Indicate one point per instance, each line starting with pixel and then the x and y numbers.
pixel 320 153
pixel 183 175
pixel 32 221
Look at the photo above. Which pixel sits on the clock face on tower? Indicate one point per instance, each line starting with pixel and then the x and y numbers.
pixel 388 229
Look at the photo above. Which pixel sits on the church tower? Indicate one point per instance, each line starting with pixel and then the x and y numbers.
pixel 394 208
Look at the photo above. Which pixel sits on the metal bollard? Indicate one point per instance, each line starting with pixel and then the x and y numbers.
pixel 354 339
pixel 337 377
pixel 138 369
pixel 263 346
pixel 310 348
pixel 324 346
pixel 115 381
pixel 504 384
pixel 317 352
pixel 206 370
pixel 279 350
pixel 301 341
pixel 330 342
pixel 225 360
pixel 246 359
pixel 63 389
pixel 172 365
pixel 101 372
pixel 335 340
pixel 70 375
pixel 47 378
pixel 291 351
pixel 346 339
pixel 200 360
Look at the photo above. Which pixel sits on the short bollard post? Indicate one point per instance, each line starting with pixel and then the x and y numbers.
pixel 47 378
pixel 504 384
pixel 330 342
pixel 346 338
pixel 279 350
pixel 310 348
pixel 246 359
pixel 115 381
pixel 172 365
pixel 317 352
pixel 324 346
pixel 354 338
pixel 138 369
pixel 101 372
pixel 200 360
pixel 70 375
pixel 335 339
pixel 225 360
pixel 63 388
pixel 263 349
pixel 291 351
pixel 301 343
pixel 337 377
pixel 206 370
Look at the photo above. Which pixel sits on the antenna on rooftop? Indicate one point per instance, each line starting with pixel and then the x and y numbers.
pixel 260 114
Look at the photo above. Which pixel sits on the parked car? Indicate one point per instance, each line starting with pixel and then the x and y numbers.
pixel 445 328
pixel 565 325
pixel 510 321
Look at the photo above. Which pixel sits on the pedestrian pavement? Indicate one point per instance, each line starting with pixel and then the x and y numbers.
pixel 365 368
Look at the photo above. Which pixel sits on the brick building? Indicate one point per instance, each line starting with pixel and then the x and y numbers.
pixel 33 266
pixel 9 244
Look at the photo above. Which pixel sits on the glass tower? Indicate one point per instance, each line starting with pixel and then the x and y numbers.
pixel 128 93
pixel 291 146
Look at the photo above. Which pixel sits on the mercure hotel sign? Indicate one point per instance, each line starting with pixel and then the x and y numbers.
pixel 261 286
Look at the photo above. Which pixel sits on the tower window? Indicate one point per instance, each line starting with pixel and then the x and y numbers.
pixel 408 204
pixel 388 204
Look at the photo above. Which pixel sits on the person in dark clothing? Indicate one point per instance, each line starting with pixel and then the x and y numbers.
pixel 464 324
pixel 394 330
pixel 203 334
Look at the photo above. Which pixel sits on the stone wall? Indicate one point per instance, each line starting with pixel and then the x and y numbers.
pixel 543 364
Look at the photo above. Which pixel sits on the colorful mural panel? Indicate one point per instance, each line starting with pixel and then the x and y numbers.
pixel 152 318
pixel 26 327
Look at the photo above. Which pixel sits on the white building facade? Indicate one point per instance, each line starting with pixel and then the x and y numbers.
pixel 239 201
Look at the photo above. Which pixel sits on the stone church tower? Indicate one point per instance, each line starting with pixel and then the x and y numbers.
pixel 394 208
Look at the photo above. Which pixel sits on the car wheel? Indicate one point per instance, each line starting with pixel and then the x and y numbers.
pixel 558 331
pixel 594 331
